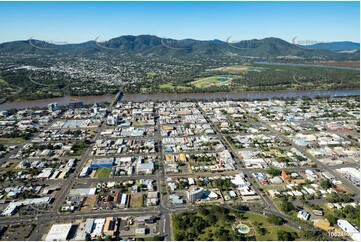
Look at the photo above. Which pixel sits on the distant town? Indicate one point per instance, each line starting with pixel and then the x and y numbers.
pixel 276 169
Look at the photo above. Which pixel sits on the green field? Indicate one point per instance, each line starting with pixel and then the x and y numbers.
pixel 102 173
pixel 210 81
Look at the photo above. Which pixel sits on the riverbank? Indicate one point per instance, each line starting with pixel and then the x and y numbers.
pixel 178 97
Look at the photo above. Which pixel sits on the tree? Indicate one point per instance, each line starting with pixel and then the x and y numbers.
pixel 331 219
pixel 274 172
pixel 286 206
pixel 285 236
pixel 261 230
pixel 273 219
pixel 326 184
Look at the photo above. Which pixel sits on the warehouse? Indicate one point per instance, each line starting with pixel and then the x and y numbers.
pixel 59 232
pixel 103 162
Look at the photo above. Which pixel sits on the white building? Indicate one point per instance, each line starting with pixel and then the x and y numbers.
pixel 349 229
pixel 303 215
pixel 58 232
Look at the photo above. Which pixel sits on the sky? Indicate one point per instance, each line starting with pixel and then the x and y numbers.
pixel 75 22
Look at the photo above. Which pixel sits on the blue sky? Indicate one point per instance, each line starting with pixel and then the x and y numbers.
pixel 75 22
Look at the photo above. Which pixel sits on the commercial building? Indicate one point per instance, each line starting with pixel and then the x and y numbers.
pixel 195 195
pixel 111 226
pixel 103 162
pixel 146 168
pixel 59 232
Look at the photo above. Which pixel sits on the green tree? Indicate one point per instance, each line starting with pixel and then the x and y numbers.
pixel 285 236
pixel 286 206
pixel 273 219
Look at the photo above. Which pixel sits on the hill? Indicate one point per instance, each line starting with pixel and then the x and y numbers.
pixel 336 46
pixel 189 48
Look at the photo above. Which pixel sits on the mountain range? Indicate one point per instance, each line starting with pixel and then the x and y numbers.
pixel 153 45
pixel 341 46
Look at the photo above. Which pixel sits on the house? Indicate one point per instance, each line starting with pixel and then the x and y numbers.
pixel 303 215
pixel 285 176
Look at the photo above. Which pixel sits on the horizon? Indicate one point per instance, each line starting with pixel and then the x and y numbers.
pixel 79 22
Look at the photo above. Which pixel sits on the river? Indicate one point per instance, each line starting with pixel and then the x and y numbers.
pixel 180 96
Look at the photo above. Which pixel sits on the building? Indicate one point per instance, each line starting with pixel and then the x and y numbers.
pixel 98 227
pixel 103 162
pixel 111 226
pixel 285 176
pixel 175 199
pixel 113 120
pixel 239 181
pixel 195 195
pixel 88 229
pixel 85 172
pixel 123 201
pixel 350 173
pixel 349 229
pixel 303 215
pixel 12 208
pixel 52 107
pixel 140 231
pixel 59 232
pixel 146 168
pixel 82 192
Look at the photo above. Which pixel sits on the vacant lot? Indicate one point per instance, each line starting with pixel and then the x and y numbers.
pixel 102 173
pixel 11 141
pixel 136 200
pixel 88 204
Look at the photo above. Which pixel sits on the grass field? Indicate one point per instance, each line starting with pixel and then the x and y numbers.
pixel 210 81
pixel 151 74
pixel 136 200
pixel 11 141
pixel 102 173
pixel 3 82
pixel 172 86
